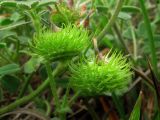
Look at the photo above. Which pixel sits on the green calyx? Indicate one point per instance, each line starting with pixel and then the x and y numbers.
pixel 68 42
pixel 111 75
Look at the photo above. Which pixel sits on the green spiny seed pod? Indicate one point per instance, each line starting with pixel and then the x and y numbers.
pixel 110 75
pixel 68 42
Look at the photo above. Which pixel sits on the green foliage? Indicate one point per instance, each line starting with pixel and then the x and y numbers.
pixel 26 4
pixel 150 35
pixel 135 115
pixel 2 45
pixel 52 29
pixel 10 83
pixel 64 15
pixel 107 76
pixel 132 9
pixel 67 42
pixel 31 65
pixel 8 69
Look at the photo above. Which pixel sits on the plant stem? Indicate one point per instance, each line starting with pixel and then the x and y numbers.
pixel 48 108
pixel 36 20
pixel 52 84
pixel 134 43
pixel 31 96
pixel 117 31
pixel 150 36
pixel 119 106
pixel 25 99
pixel 25 86
pixel 111 20
pixel 91 110
pixel 75 96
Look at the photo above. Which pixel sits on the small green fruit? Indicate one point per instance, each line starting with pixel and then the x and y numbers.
pixel 68 42
pixel 103 78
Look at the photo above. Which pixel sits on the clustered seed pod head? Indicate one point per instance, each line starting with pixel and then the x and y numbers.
pixel 67 42
pixel 111 75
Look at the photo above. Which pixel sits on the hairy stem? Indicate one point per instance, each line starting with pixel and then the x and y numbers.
pixel 150 36
pixel 75 96
pixel 25 99
pixel 134 43
pixel 52 84
pixel 117 31
pixel 31 96
pixel 91 110
pixel 111 21
pixel 119 105
pixel 25 86
pixel 36 20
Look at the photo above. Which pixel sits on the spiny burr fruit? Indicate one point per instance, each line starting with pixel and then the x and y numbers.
pixel 111 75
pixel 67 42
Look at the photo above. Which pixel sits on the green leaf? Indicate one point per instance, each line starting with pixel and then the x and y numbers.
pixel 28 4
pixel 102 8
pixel 15 17
pixel 11 26
pixel 31 65
pixel 132 9
pixel 24 4
pixel 142 31
pixel 10 83
pixel 135 115
pixel 2 45
pixel 124 16
pixel 5 21
pixel 107 41
pixel 45 3
pixel 8 3
pixel 8 69
pixel 5 34
pixel 127 33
